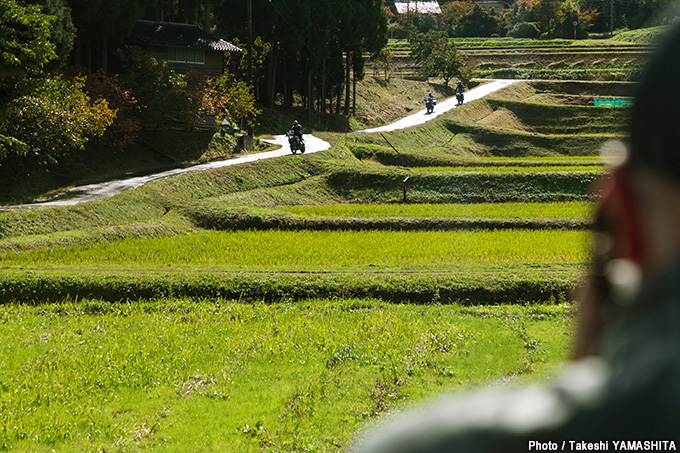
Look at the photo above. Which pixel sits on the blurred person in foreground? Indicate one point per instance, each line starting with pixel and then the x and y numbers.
pixel 622 391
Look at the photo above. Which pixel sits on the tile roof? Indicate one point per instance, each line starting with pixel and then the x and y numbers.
pixel 179 35
pixel 426 7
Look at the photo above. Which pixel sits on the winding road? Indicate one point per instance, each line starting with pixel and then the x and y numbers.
pixel 100 191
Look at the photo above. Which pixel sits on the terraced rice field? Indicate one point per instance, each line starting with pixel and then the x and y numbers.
pixel 511 168
pixel 320 248
pixel 573 209
pixel 210 311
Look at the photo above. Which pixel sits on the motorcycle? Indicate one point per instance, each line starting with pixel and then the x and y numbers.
pixel 429 105
pixel 296 143
pixel 460 97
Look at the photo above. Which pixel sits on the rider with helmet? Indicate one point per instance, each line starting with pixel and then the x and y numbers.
pixel 297 129
pixel 430 102
pixel 459 92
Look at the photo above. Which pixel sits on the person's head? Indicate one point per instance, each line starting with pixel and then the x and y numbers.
pixel 295 123
pixel 649 182
pixel 638 220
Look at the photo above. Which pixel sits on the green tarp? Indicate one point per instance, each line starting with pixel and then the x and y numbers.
pixel 615 102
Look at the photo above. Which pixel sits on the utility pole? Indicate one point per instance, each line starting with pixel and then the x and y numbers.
pixel 611 19
pixel 248 141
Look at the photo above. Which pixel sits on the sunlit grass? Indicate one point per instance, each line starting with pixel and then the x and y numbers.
pixel 566 160
pixel 515 168
pixel 183 375
pixel 570 209
pixel 321 248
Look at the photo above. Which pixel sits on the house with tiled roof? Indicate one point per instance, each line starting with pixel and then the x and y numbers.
pixel 183 46
pixel 418 7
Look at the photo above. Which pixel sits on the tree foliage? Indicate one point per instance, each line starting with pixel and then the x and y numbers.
pixel 123 131
pixel 315 45
pixel 476 22
pixel 438 57
pixel 51 120
pixel 166 98
pixel 43 118
pixel 525 30
pixel 25 47
pixel 554 18
pixel 231 99
pixel 63 31
pixel 384 60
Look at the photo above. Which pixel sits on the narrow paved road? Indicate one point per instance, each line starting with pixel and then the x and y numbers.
pixel 442 107
pixel 100 191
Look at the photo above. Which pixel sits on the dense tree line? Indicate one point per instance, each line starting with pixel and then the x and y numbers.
pixel 307 47
pixel 315 46
pixel 532 18
pixel 68 76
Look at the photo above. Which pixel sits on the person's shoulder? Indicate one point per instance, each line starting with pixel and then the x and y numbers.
pixel 587 403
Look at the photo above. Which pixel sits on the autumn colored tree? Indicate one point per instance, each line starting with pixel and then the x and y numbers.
pixel 162 94
pixel 231 99
pixel 126 125
pixel 51 121
pixel 43 120
pixel 452 11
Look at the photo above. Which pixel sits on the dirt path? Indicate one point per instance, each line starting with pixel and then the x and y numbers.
pixel 100 191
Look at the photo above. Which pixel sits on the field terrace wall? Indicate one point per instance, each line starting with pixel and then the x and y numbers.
pixel 552 58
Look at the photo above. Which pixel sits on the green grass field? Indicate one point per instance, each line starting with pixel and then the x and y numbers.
pixel 567 209
pixel 187 375
pixel 508 168
pixel 318 248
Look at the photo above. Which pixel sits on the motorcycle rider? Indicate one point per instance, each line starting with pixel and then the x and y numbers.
pixel 459 92
pixel 297 130
pixel 429 102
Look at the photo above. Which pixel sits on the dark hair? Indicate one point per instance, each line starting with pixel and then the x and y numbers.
pixel 655 128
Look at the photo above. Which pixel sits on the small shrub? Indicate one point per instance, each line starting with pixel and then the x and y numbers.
pixel 525 30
